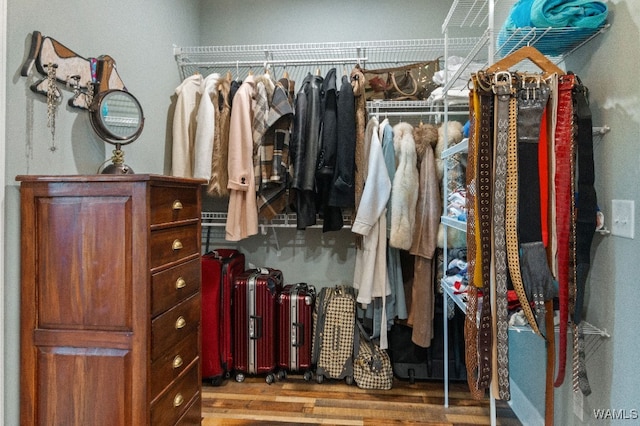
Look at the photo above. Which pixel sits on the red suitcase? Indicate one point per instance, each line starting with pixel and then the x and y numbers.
pixel 255 314
pixel 219 268
pixel 295 311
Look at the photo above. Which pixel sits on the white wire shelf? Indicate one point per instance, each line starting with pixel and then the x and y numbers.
pixel 461 146
pixel 454 223
pixel 467 14
pixel 368 54
pixel 460 300
pixel 556 43
pixel 219 219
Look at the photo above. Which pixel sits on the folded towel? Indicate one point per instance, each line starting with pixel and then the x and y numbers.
pixel 562 13
pixel 579 19
pixel 556 14
pixel 520 15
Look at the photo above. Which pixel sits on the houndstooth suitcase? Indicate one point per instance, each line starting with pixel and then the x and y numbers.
pixel 334 326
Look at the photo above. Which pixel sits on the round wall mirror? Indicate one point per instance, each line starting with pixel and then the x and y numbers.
pixel 116 117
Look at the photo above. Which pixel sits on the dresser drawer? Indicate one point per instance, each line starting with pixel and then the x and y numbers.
pixel 167 409
pixel 168 329
pixel 173 285
pixel 171 204
pixel 172 244
pixel 193 415
pixel 169 366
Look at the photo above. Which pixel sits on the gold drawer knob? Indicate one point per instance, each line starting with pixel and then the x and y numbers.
pixel 180 283
pixel 178 400
pixel 180 322
pixel 177 205
pixel 177 245
pixel 177 362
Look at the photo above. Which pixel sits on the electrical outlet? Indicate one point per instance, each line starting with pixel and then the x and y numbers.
pixel 622 218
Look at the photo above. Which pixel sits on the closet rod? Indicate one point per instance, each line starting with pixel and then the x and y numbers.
pixel 277 62
pixel 404 113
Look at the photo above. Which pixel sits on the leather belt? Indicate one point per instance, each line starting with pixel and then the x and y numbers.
pixel 564 197
pixel 483 173
pixel 585 220
pixel 470 323
pixel 532 99
pixel 503 91
pixel 511 224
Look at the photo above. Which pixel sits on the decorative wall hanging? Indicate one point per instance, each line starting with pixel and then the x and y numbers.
pixel 116 115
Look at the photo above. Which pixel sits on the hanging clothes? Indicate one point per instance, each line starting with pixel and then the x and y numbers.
pixel 274 153
pixel 304 148
pixel 424 239
pixel 370 276
pixel 205 128
pixel 404 194
pixel 327 153
pixel 358 84
pixel 343 185
pixel 220 155
pixel 396 303
pixel 184 125
pixel 242 215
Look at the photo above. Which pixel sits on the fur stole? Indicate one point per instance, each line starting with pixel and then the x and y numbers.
pixel 404 192
pixel 425 136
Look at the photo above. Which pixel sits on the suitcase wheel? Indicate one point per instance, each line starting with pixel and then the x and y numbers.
pixel 308 375
pixel 217 381
pixel 239 377
pixel 270 378
pixel 319 378
pixel 282 375
pixel 412 376
pixel 349 380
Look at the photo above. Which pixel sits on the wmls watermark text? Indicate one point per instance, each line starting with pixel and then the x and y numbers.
pixel 616 414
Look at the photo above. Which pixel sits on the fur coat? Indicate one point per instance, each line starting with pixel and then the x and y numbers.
pixel 404 192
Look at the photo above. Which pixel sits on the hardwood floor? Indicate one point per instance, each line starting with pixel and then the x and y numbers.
pixel 293 401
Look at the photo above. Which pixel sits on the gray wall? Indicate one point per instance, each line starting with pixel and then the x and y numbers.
pixel 612 286
pixel 141 41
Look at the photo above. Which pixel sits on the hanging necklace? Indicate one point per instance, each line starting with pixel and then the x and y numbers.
pixel 53 100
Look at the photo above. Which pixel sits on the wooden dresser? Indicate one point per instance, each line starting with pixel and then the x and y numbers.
pixel 110 304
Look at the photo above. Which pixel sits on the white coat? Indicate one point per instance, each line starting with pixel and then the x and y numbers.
pixel 370 276
pixel 184 126
pixel 205 128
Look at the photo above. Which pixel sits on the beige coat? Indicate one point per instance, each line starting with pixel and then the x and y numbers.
pixel 242 218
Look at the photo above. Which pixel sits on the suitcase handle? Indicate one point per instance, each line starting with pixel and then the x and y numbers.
pixel 297 334
pixel 255 327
